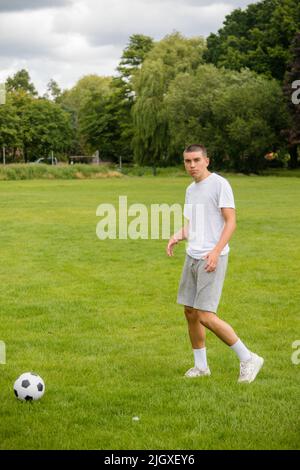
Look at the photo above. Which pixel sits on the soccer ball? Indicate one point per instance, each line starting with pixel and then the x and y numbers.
pixel 29 386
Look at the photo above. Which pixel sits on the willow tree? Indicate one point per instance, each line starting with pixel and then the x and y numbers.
pixel 150 141
pixel 172 55
pixel 122 96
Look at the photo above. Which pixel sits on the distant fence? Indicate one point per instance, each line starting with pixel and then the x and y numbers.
pixel 88 159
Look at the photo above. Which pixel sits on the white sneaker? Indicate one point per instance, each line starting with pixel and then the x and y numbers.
pixel 250 369
pixel 195 372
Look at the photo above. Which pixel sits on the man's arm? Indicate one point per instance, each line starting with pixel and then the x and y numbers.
pixel 182 234
pixel 229 227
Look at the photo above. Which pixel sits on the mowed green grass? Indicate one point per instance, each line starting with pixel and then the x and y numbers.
pixel 98 320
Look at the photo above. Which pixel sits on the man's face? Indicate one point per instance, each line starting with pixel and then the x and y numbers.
pixel 195 164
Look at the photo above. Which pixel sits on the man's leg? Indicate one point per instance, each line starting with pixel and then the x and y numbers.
pixel 250 363
pixel 219 327
pixel 195 327
pixel 197 338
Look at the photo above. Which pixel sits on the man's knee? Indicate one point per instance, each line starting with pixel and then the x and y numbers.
pixel 191 314
pixel 206 318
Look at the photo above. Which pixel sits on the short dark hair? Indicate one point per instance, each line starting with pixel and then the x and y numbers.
pixel 196 148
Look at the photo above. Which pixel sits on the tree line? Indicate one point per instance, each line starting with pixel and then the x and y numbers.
pixel 232 92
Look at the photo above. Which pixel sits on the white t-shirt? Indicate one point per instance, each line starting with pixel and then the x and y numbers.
pixel 203 203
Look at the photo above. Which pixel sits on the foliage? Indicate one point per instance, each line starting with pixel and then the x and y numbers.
pixel 258 37
pixel 53 91
pixel 32 127
pixel 134 55
pixel 75 101
pixel 46 128
pixel 96 125
pixel 291 90
pixel 10 124
pixel 104 113
pixel 172 55
pixel 20 82
pixel 120 101
pixel 237 115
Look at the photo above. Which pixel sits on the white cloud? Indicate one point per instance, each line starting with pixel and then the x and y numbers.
pixel 112 21
pixel 26 35
pixel 67 39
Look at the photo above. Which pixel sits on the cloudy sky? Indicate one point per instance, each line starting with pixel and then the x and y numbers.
pixel 66 39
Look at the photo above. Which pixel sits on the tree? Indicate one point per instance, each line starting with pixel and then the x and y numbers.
pixel 237 115
pixel 291 91
pixel 188 106
pixel 74 102
pixel 119 106
pixel 20 82
pixel 47 127
pixel 258 38
pixel 134 55
pixel 169 57
pixel 101 119
pixel 121 99
pixel 31 127
pixel 53 91
pixel 21 101
pixel 43 126
pixel 150 126
pixel 104 104
pixel 98 126
pixel 9 125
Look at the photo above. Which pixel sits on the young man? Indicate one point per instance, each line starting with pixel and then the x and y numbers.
pixel 210 211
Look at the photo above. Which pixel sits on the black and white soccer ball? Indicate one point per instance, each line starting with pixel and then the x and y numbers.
pixel 29 386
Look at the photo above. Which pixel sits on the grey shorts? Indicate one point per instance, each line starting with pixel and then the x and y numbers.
pixel 200 289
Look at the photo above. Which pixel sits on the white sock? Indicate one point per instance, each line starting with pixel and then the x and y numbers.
pixel 200 358
pixel 240 349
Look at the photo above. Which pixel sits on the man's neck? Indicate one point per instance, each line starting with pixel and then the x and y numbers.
pixel 203 177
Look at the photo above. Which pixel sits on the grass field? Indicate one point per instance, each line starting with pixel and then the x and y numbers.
pixel 98 320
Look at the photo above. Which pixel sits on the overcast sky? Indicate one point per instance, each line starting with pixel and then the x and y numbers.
pixel 66 39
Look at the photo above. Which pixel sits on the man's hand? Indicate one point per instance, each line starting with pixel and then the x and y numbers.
pixel 212 261
pixel 172 242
